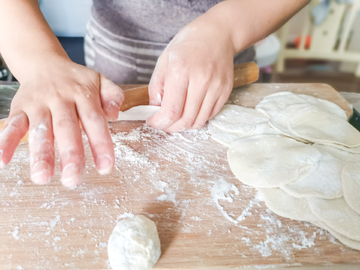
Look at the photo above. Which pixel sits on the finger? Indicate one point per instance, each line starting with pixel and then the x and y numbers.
pixel 172 106
pixel 194 98
pixel 208 106
pixel 97 131
pixel 13 131
pixel 112 96
pixel 68 138
pixel 218 105
pixel 41 145
pixel 156 85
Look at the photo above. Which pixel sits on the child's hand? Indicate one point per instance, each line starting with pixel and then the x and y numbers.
pixel 52 102
pixel 194 77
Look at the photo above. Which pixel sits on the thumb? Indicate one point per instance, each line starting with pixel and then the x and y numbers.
pixel 112 96
pixel 156 85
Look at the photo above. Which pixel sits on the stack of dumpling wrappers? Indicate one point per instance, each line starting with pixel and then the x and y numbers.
pixel 302 156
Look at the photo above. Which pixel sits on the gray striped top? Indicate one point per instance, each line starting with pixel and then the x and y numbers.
pixel 125 37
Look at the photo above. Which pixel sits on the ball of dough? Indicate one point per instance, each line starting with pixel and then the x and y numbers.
pixel 134 244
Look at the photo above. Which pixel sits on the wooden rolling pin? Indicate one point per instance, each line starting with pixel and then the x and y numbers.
pixel 136 95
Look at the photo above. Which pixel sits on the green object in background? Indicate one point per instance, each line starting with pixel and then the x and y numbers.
pixel 355 119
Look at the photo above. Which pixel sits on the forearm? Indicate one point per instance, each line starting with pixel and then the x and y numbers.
pixel 245 22
pixel 25 36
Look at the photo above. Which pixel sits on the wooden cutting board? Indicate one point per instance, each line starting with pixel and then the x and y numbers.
pixel 205 217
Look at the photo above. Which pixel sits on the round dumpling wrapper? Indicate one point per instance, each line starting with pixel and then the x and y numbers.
pixel 338 215
pixel 238 119
pixel 285 205
pixel 270 161
pixel 315 125
pixel 350 179
pixel 324 182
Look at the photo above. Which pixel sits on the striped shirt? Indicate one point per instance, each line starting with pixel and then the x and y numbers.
pixel 125 37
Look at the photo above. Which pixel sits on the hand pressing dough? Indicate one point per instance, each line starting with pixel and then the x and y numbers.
pixel 285 205
pixel 337 215
pixel 140 113
pixel 351 185
pixel 238 119
pixel 324 182
pixel 270 161
pixel 134 244
pixel 315 125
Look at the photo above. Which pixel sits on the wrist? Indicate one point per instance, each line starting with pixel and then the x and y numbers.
pixel 224 15
pixel 214 31
pixel 36 63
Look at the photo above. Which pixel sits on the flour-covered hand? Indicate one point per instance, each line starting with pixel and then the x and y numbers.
pixel 193 77
pixel 52 102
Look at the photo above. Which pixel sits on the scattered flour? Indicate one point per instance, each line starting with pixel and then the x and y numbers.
pixel 220 191
pixel 141 158
pixel 15 233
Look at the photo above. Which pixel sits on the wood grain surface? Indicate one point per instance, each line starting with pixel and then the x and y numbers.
pixel 205 217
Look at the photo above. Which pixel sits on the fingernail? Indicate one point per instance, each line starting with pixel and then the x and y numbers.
pixel 2 164
pixel 164 122
pixel 104 164
pixel 158 98
pixel 151 102
pixel 41 173
pixel 71 175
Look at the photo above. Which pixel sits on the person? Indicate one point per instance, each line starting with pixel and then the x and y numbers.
pixel 195 43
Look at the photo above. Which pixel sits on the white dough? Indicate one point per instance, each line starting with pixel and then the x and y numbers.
pixel 285 205
pixel 352 150
pixel 226 137
pixel 315 125
pixel 338 215
pixel 281 107
pixel 351 185
pixel 297 179
pixel 271 161
pixel 343 239
pixel 340 152
pixel 325 106
pixel 138 113
pixel 134 244
pixel 276 103
pixel 279 121
pixel 323 183
pixel 222 137
pixel 238 119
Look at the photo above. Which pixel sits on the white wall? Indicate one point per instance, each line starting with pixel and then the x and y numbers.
pixel 67 17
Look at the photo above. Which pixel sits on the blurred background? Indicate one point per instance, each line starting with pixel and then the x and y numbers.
pixel 321 44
